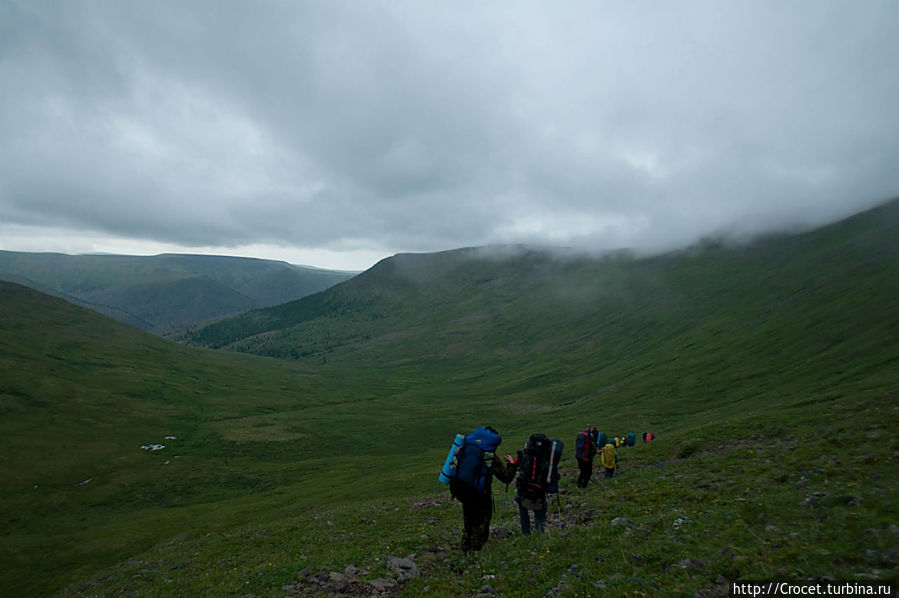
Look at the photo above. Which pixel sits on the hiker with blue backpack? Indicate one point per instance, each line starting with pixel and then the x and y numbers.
pixel 469 470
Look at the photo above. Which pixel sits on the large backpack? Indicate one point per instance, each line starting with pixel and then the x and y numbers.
pixel 608 456
pixel 554 477
pixel 534 468
pixel 584 448
pixel 472 468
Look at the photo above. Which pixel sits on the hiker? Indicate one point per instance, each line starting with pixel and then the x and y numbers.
pixel 585 450
pixel 537 475
pixel 609 459
pixel 475 464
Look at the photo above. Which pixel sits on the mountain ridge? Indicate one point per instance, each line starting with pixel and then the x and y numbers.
pixel 160 292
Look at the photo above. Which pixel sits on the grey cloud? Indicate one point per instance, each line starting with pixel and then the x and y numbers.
pixel 425 126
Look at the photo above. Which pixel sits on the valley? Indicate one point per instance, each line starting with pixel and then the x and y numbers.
pixel 307 436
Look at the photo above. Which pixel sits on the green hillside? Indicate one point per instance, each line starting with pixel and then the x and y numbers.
pixel 158 292
pixel 768 371
pixel 684 326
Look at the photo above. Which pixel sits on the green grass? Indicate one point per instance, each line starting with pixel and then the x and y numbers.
pixel 768 372
pixel 734 508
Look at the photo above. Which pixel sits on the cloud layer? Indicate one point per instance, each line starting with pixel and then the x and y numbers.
pixel 419 126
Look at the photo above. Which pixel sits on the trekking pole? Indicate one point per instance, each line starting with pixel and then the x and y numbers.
pixel 559 507
pixel 505 500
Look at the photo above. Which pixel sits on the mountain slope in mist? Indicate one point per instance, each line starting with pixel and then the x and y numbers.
pixel 158 292
pixel 802 301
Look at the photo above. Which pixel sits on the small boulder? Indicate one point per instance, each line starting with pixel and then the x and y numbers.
pixel 338 581
pixel 382 584
pixel 405 569
pixel 691 564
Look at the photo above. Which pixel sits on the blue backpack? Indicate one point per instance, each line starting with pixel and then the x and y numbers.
pixel 472 468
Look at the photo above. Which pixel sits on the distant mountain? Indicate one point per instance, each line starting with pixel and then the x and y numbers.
pixel 159 292
pixel 782 300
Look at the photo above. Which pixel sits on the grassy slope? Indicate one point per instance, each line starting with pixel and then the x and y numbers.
pixel 751 363
pixel 536 330
pixel 160 291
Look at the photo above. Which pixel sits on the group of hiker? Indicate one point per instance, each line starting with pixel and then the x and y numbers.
pixel 472 463
pixel 589 444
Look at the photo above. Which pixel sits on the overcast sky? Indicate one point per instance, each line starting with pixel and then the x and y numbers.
pixel 334 133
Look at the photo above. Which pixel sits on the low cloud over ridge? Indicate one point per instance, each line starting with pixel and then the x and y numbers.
pixel 404 126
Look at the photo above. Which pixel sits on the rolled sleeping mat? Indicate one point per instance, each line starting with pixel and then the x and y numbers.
pixel 447 469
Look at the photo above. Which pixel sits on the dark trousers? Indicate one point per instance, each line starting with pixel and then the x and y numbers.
pixel 539 518
pixel 609 472
pixel 586 469
pixel 476 514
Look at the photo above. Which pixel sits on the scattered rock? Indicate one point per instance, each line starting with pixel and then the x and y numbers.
pixel 586 516
pixel 772 529
pixel 501 533
pixel 645 530
pixel 338 581
pixel 405 569
pixel 622 521
pixel 556 591
pixel 382 584
pixel 813 498
pixel 691 564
